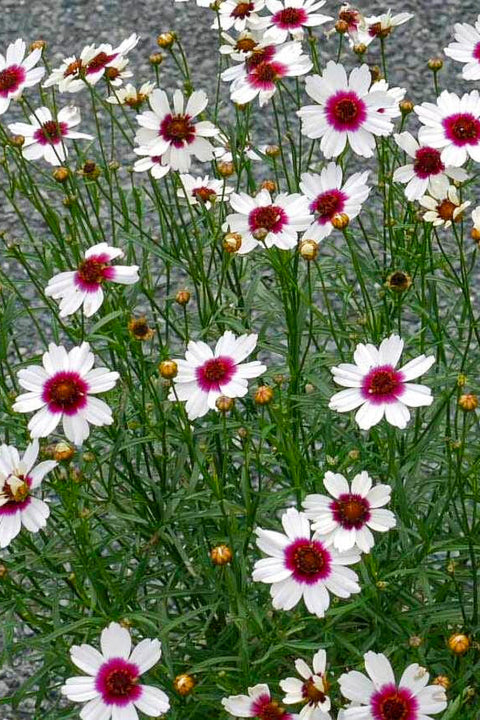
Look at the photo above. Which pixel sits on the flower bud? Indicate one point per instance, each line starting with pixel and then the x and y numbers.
pixel 415 641
pixel 156 59
pixel 443 681
pixel 242 433
pixel 263 395
pixel 168 369
pixel 232 242
pixel 382 584
pixel 221 555
pixel 475 234
pixel 399 281
pixel 376 73
pixel 406 106
pixel 341 26
pixel 184 684
pixel 459 643
pixel 90 170
pixel 63 451
pixel 269 185
pixel 38 45
pixel 17 140
pixel 308 249
pixel 225 169
pixel 3 571
pixel 182 297
pixel 224 404
pixel 435 64
pixel 166 39
pixel 260 233
pixel 61 174
pixel 461 380
pixel 360 49
pixel 272 151
pixel 340 221
pixel 354 454
pixel 468 402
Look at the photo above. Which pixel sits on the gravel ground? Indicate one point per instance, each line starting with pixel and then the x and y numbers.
pixel 68 25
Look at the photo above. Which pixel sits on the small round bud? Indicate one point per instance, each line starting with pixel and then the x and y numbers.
pixel 443 681
pixel 70 200
pixel 113 165
pixel 221 555
pixel 340 221
pixel 225 169
pixel 468 402
pixel 263 395
pixel 242 433
pixel 126 623
pixel 360 49
pixel 269 185
pixel 260 233
pixel 406 106
pixel 155 59
pixel 415 641
pixel 451 566
pixel 17 140
pixel 382 584
pixel 232 242
pixel 224 404
pixel 398 281
pixel 459 643
pixel 38 45
pixel 475 234
pixel 341 27
pixel 168 369
pixel 308 249
pixel 376 73
pixel 184 684
pixel 88 457
pixel 166 39
pixel 3 571
pixel 63 451
pixel 182 297
pixel 461 380
pixel 61 174
pixel 272 151
pixel 90 170
pixel 354 454
pixel 278 379
pixel 435 64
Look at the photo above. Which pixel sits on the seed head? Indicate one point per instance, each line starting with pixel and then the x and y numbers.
pixel 399 281
pixel 90 170
pixel 168 369
pixel 221 555
pixel 139 329
pixel 459 643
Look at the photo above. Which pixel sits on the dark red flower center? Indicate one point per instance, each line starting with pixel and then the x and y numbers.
pixel 117 681
pixel 262 55
pixel 93 271
pixel 243 10
pixel 73 68
pixel 351 17
pixel 328 204
pixel 98 62
pixel 268 217
pixel 351 511
pixel 66 392
pixel 204 194
pixel 428 162
pixel 267 72
pixel 51 132
pixel 377 30
pixel 383 384
pixel 290 18
pixel 392 703
pixel 312 694
pixel 345 111
pixel 309 560
pixel 11 78
pixel 266 709
pixel 178 130
pixel 215 372
pixel 462 129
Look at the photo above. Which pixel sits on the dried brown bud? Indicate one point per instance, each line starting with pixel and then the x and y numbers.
pixel 224 404
pixel 341 27
pixel 459 643
pixel 90 170
pixel 184 684
pixel 263 395
pixel 221 555
pixel 468 402
pixel 232 242
pixel 63 451
pixel 168 369
pixel 155 59
pixel 139 329
pixel 308 249
pixel 340 221
pixel 166 39
pixel 182 297
pixel 61 174
pixel 399 281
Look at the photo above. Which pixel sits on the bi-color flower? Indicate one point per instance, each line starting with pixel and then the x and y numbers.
pixel 18 72
pixel 311 690
pixel 257 704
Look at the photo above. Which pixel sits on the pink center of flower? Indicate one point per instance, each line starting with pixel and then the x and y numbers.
pixel 117 682
pixel 392 703
pixel 383 384
pixel 18 496
pixel 65 392
pixel 11 78
pixel 204 194
pixel 179 130
pixel 351 511
pixel 268 217
pixel 265 708
pixel 345 111
pixel 215 372
pixel 93 271
pixel 51 132
pixel 328 204
pixel 243 10
pixel 427 162
pixel 265 74
pixel 98 62
pixel 262 55
pixel 290 18
pixel 379 30
pixel 309 561
pixel 476 52
pixel 462 129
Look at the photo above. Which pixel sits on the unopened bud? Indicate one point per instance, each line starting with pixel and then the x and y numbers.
pixel 308 249
pixel 468 402
pixel 242 433
pixel 461 380
pixel 3 571
pixel 340 221
pixel 17 140
pixel 155 59
pixel 475 234
pixel 406 106
pixel 269 185
pixel 184 684
pixel 435 64
pixel 38 45
pixel 263 395
pixel 182 297
pixel 260 233
pixel 360 49
pixel 443 681
pixel 459 643
pixel 61 174
pixel 382 584
pixel 221 555
pixel 224 404
pixel 168 369
pixel 272 151
pixel 232 242
pixel 376 73
pixel 341 26
pixel 415 641
pixel 225 169
pixel 166 39
pixel 63 451
pixel 354 454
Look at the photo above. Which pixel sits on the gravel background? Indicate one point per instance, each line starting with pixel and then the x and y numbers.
pixel 68 25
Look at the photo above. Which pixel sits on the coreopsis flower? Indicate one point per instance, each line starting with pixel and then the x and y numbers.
pixel 111 687
pixel 203 190
pixel 349 514
pixel 453 125
pixel 18 72
pixel 76 72
pixel 239 48
pixel 466 49
pixel 257 704
pixel 380 696
pixel 329 197
pixel 149 162
pixel 353 19
pixel 176 136
pixel 300 566
pixel 475 232
pixel 347 109
pixel 262 220
pixel 18 478
pixel 83 286
pixel 262 70
pixel 207 374
pixel 130 96
pixel 45 137
pixel 311 690
pixel 427 172
pixel 64 389
pixel 443 206
pixel 377 387
pixel 290 17
pixel 381 26
pixel 238 15
pixel 396 95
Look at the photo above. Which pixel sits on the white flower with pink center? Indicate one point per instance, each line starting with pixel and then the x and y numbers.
pixel 238 14
pixel 377 695
pixel 466 49
pixel 175 134
pixel 380 26
pixel 329 197
pixel 111 687
pixel 19 476
pixel 18 72
pixel 427 172
pixel 348 110
pixel 444 207
pixel 257 704
pixel 262 70
pixel 150 162
pixel 83 286
pixel 64 389
pixel 240 47
pixel 378 387
pixel 349 514
pixel 206 374
pixel 94 62
pixel 302 566
pixel 453 126
pixel 204 191
pixel 290 17
pixel 311 690
pixel 46 137
pixel 263 221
